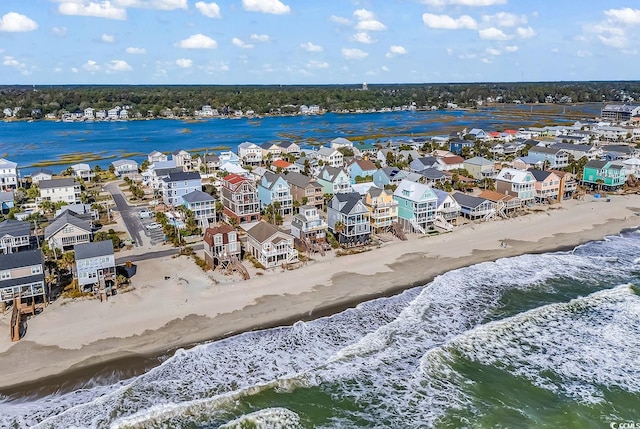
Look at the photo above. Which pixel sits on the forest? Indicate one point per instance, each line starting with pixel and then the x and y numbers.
pixel 141 100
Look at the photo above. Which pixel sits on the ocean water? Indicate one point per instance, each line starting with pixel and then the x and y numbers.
pixel 534 341
pixel 28 143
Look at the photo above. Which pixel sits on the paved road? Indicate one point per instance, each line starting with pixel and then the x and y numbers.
pixel 128 213
pixel 152 255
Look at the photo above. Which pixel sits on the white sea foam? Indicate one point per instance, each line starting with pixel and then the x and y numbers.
pixel 270 418
pixel 379 353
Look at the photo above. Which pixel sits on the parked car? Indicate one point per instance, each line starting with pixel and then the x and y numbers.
pixel 145 214
pixel 153 225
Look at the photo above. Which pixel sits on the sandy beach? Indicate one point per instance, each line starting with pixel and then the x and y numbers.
pixel 193 306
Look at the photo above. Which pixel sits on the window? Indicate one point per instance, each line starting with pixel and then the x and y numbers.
pixel 217 239
pixel 4 275
pixel 37 269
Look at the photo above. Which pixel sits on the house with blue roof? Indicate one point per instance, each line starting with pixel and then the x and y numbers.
pixel 361 168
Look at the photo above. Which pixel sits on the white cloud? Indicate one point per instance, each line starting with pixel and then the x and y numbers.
pixel 260 37
pixel 492 33
pixel 185 63
pixel 384 68
pixel 395 50
pixel 493 51
pixel 626 15
pixel 370 25
pixel 153 4
pixel 446 22
pixel 240 44
pixel 354 54
pixel 108 38
pixel 10 62
pixel 57 69
pixel 13 22
pixel 583 54
pixel 317 64
pixel 136 51
pixel 118 66
pixel 59 31
pixel 98 10
pixel 486 60
pixel 275 7
pixel 504 19
pixel 526 33
pixel 197 41
pixel 212 10
pixel 511 48
pixel 91 66
pixel 469 56
pixel 310 47
pixel 74 70
pixel 363 38
pixel 340 20
pixel 472 3
pixel 364 15
pixel 615 41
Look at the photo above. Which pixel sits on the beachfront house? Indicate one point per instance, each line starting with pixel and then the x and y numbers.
pixel 182 159
pixel 290 148
pixel 156 173
pixel 202 205
pixel 82 171
pixel 348 219
pixel 221 246
pixel 334 180
pixel 157 156
pixel 430 176
pixel 22 276
pixel 551 157
pixel 480 168
pixel 15 235
pixel 273 188
pixel 207 163
pixel 505 204
pixel 419 164
pixel 305 190
pixel 250 153
pixel 383 208
pixel 125 168
pixel 67 230
pixel 228 157
pixel 65 190
pixel 456 146
pixel 517 183
pixel 7 201
pixel 339 142
pixel 95 266
pixel 475 208
pixel 361 168
pixel 308 227
pixel 281 165
pixel 448 163
pixel 568 184
pixel 389 176
pixel 330 157
pixel 547 186
pixel 447 210
pixel 270 150
pixel 8 175
pixel 604 175
pixel 41 174
pixel 240 199
pixel 417 204
pixel 270 245
pixel 176 185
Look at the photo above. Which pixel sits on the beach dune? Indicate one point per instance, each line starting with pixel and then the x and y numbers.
pixel 192 306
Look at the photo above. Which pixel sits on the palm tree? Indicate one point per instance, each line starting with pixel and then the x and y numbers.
pixel 67 261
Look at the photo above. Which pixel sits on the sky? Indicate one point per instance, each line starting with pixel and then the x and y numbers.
pixel 50 42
